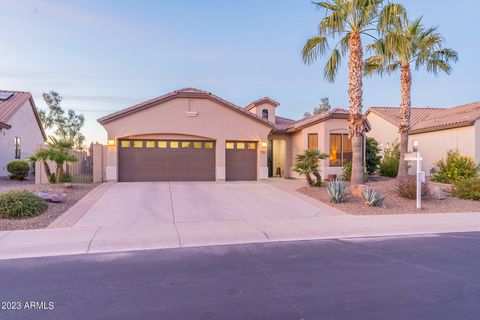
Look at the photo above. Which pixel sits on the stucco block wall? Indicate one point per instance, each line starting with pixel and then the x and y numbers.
pixel 323 129
pixel 213 122
pixel 24 125
pixel 382 130
pixel 433 146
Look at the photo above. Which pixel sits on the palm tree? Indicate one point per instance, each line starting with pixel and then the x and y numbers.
pixel 58 151
pixel 403 44
pixel 350 20
pixel 307 163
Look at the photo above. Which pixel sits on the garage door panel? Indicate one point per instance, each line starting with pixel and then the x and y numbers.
pixel 241 161
pixel 160 160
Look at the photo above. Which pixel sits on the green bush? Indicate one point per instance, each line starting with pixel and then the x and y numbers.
pixel 467 189
pixel 19 204
pixel 407 188
pixel 347 171
pixel 372 155
pixel 18 169
pixel 455 167
pixel 391 160
pixel 65 178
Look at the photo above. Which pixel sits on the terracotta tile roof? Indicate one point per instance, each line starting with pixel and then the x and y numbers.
pixel 281 123
pixel 260 101
pixel 11 105
pixel 181 93
pixel 460 116
pixel 392 114
pixel 432 119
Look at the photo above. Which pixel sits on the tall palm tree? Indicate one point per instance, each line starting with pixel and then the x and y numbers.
pixel 349 20
pixel 403 44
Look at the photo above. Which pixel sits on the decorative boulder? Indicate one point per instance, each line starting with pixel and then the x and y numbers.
pixel 436 192
pixel 356 190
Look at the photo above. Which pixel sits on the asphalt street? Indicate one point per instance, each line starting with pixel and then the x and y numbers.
pixel 428 277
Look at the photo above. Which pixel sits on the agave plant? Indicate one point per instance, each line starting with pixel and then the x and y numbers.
pixel 372 198
pixel 337 190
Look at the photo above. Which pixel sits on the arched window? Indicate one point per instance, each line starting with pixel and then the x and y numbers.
pixel 265 114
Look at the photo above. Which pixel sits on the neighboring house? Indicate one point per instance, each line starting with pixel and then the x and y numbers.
pixel 21 132
pixel 191 134
pixel 435 130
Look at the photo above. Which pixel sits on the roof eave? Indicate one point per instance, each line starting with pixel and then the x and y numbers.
pixel 443 127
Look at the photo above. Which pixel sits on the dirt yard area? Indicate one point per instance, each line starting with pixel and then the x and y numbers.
pixel 54 209
pixel 393 204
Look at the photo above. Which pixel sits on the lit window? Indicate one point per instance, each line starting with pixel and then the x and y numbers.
pixel 162 144
pixel 150 144
pixel 208 145
pixel 137 144
pixel 230 145
pixel 240 145
pixel 174 144
pixel 197 145
pixel 340 150
pixel 252 145
pixel 312 141
pixel 185 144
pixel 125 144
pixel 18 148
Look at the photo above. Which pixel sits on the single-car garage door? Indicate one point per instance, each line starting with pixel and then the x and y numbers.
pixel 241 161
pixel 166 160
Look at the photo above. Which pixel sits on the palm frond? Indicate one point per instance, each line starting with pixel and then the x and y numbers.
pixel 331 68
pixel 314 48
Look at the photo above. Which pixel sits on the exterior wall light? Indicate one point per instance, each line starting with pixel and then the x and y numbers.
pixel 264 144
pixel 111 142
pixel 415 145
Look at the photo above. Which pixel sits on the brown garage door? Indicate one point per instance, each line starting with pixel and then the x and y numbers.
pixel 241 161
pixel 166 160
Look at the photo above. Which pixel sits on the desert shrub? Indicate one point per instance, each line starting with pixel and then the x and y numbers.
pixel 467 189
pixel 455 167
pixel 18 204
pixel 407 188
pixel 337 190
pixel 372 155
pixel 347 171
pixel 372 198
pixel 18 169
pixel 391 159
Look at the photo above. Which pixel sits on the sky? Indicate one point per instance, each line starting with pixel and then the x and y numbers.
pixel 102 56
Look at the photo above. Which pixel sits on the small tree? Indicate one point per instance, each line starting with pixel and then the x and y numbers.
pixel 372 155
pixel 390 162
pixel 324 106
pixel 307 164
pixel 58 151
pixel 65 126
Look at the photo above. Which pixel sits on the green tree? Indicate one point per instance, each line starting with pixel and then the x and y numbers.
pixel 306 164
pixel 324 106
pixel 403 44
pixel 372 155
pixel 66 126
pixel 349 20
pixel 58 151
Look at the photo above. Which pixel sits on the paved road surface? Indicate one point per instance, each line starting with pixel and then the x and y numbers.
pixel 431 277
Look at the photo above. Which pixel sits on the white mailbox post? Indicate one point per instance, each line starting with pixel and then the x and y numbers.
pixel 415 156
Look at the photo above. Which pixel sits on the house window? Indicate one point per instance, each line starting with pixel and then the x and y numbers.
pixel 312 141
pixel 18 148
pixel 265 114
pixel 340 149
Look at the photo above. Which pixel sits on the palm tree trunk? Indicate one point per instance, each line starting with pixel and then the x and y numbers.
pixel 405 109
pixel 59 173
pixel 355 120
pixel 46 168
pixel 309 179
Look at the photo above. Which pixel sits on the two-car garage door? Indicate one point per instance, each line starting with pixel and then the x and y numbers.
pixel 183 160
pixel 165 160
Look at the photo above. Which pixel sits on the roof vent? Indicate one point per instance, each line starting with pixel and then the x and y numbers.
pixel 5 95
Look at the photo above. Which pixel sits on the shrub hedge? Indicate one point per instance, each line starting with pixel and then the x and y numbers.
pixel 467 189
pixel 19 204
pixel 18 169
pixel 455 167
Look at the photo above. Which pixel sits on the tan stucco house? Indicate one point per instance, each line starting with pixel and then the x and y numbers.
pixel 434 130
pixel 21 132
pixel 191 134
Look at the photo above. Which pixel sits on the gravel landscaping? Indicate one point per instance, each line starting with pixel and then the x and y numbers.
pixel 54 209
pixel 393 204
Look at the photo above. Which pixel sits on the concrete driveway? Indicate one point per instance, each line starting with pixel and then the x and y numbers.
pixel 146 203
